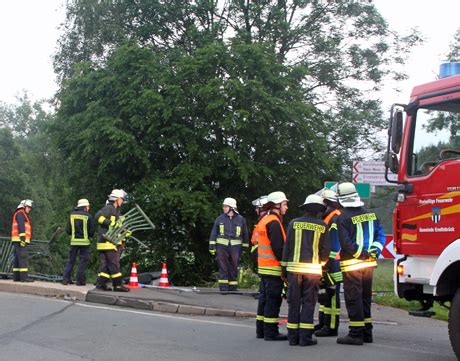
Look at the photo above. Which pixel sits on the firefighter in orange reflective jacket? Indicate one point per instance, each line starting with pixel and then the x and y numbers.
pixel 361 239
pixel 21 235
pixel 271 238
pixel 258 204
pixel 306 250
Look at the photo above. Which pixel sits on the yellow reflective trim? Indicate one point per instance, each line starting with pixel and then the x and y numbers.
pixel 315 246
pixel 259 317
pixel 238 231
pixel 79 241
pixel 304 267
pixel 356 323
pixel 335 310
pixel 308 326
pixel 232 283
pixel 221 229
pixel 22 234
pixel 297 244
pixel 101 219
pixel 321 308
pixel 116 275
pixel 223 281
pixel 106 246
pixel 270 271
pixel 235 242
pixel 292 325
pixel 246 245
pixel 223 241
pixel 103 274
pixel 271 320
pixel 356 264
pixel 253 248
pixel 368 320
pixel 359 240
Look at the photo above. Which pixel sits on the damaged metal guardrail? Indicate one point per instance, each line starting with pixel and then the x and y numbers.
pixel 133 221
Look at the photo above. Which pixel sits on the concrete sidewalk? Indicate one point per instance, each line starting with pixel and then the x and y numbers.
pixel 183 300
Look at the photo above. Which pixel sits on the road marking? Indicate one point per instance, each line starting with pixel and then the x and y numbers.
pixel 164 316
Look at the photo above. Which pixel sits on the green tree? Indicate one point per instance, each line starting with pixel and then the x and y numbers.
pixel 183 104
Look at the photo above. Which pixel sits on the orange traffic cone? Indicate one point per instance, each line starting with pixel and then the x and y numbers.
pixel 133 281
pixel 164 276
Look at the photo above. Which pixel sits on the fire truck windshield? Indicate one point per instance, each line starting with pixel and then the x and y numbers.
pixel 435 137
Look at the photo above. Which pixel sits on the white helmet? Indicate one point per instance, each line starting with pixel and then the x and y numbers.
pixel 231 202
pixel 276 198
pixel 82 203
pixel 348 196
pixel 21 204
pixel 259 202
pixel 313 199
pixel 117 193
pixel 329 195
pixel 28 203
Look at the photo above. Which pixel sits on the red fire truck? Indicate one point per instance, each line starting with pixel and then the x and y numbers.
pixel 427 213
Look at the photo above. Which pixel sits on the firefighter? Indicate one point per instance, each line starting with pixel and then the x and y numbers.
pixel 361 240
pixel 109 260
pixel 80 227
pixel 307 248
pixel 271 238
pixel 258 204
pixel 21 235
pixel 228 235
pixel 329 309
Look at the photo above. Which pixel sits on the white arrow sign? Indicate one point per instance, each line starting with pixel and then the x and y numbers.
pixel 373 179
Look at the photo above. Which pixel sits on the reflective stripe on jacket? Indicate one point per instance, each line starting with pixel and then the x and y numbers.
pixel 268 263
pixel 307 246
pixel 359 231
pixel 106 218
pixel 229 231
pixel 21 226
pixel 80 227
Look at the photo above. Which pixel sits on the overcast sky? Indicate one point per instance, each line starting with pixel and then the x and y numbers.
pixel 29 30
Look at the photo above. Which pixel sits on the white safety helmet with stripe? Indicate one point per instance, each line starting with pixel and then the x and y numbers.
pixel 259 202
pixel 313 203
pixel 117 193
pixel 277 198
pixel 231 202
pixel 348 196
pixel 329 195
pixel 25 203
pixel 82 203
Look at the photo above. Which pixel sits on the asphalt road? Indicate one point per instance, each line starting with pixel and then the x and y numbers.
pixel 34 328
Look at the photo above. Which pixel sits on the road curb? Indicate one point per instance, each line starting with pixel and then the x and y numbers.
pixel 38 289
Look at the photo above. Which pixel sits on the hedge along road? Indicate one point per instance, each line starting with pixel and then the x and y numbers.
pixel 35 328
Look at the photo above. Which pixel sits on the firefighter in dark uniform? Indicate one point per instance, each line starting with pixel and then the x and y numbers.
pixel 109 260
pixel 361 239
pixel 80 227
pixel 329 299
pixel 271 238
pixel 306 250
pixel 228 235
pixel 21 235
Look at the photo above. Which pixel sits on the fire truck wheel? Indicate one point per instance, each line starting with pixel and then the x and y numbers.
pixel 454 324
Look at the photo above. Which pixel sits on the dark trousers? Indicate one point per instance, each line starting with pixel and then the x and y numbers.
pixel 228 258
pixel 21 262
pixel 268 308
pixel 357 286
pixel 329 309
pixel 302 298
pixel 83 253
pixel 109 268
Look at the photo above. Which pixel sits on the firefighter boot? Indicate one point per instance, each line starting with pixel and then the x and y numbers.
pixel 326 332
pixel 349 340
pixel 306 337
pixel 293 336
pixel 367 337
pixel 271 332
pixel 259 329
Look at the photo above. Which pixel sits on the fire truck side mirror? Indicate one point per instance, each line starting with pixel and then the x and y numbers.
pixel 396 131
pixel 394 163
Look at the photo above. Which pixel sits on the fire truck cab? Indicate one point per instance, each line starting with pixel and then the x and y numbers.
pixel 424 151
